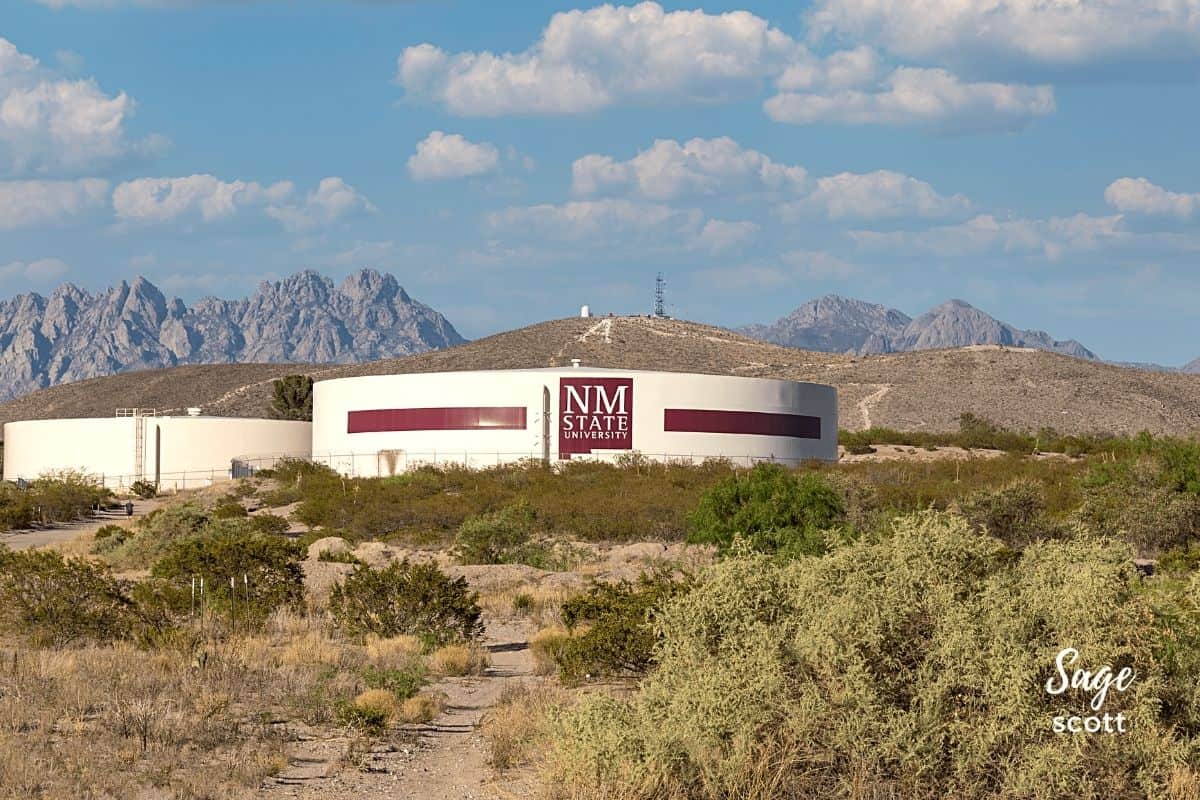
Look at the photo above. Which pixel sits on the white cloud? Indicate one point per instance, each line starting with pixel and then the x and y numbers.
pixel 1051 33
pixel 875 195
pixel 332 200
pixel 28 203
pixel 1140 196
pixel 719 235
pixel 442 156
pixel 45 270
pixel 168 199
pixel 986 233
pixel 697 167
pixel 721 167
pixel 52 125
pixel 585 219
pixel 588 60
pixel 787 270
pixel 915 96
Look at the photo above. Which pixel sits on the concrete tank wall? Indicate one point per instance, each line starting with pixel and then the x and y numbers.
pixel 178 452
pixel 379 425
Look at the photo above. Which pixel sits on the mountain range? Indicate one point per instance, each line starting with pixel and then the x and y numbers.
pixel 307 318
pixel 73 334
pixel 843 325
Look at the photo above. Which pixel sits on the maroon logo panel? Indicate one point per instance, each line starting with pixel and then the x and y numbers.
pixel 594 414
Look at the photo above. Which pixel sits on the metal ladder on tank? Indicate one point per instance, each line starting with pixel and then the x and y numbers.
pixel 139 438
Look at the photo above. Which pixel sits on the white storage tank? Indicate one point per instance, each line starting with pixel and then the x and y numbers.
pixel 172 452
pixel 386 424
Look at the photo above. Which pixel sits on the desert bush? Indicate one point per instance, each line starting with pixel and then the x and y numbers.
pixel 913 666
pixel 66 495
pixel 612 627
pixel 270 524
pixel 1014 514
pixel 395 651
pixel 250 575
pixel 406 598
pixel 774 509
pixel 154 533
pixel 1140 502
pixel 403 683
pixel 55 600
pixel 144 489
pixel 228 508
pixel 495 538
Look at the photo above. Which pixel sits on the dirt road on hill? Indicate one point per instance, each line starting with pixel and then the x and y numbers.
pixel 41 537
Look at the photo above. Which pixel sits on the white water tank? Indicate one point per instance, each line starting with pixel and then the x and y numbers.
pixel 585 311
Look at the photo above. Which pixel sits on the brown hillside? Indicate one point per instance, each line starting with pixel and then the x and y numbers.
pixel 925 390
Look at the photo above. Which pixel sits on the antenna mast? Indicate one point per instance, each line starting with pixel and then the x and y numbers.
pixel 660 301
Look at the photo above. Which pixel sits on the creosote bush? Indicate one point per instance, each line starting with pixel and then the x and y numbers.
pixel 416 599
pixel 55 600
pixel 774 509
pixel 1014 514
pixel 611 628
pixel 909 667
pixel 264 570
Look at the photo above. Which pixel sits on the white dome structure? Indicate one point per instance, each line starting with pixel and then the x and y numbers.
pixel 386 424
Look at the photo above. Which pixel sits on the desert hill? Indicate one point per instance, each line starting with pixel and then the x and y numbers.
pixel 1024 389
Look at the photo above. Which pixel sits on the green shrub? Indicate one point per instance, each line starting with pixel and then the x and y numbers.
pixel 1138 502
pixel 860 449
pixel 1015 514
pixel 370 719
pixel 110 530
pixel 229 509
pixel 913 667
pixel 144 489
pixel 772 508
pixel 154 533
pixel 494 538
pixel 339 557
pixel 65 495
pixel 57 600
pixel 612 627
pixel 417 599
pixel 403 683
pixel 270 524
pixel 264 571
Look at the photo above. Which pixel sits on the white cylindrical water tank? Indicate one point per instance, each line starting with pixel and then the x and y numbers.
pixel 585 311
pixel 385 424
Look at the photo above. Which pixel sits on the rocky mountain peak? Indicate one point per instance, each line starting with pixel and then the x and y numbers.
pixel 301 318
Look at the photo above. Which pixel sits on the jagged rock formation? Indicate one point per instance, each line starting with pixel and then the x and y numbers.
pixel 839 324
pixel 305 318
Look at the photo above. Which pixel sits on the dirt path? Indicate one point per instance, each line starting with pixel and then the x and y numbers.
pixel 448 759
pixel 40 537
pixel 867 403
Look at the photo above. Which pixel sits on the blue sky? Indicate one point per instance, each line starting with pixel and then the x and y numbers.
pixel 509 162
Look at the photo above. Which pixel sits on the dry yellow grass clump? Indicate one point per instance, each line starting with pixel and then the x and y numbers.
pixel 519 727
pixel 394 652
pixel 421 709
pixel 545 646
pixel 457 660
pixel 379 701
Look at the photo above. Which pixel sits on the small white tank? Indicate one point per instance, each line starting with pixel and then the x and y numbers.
pixel 585 311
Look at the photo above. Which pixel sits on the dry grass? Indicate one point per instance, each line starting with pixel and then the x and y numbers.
pixel 379 701
pixel 545 646
pixel 458 660
pixel 202 721
pixel 395 652
pixel 518 728
pixel 422 709
pixel 541 605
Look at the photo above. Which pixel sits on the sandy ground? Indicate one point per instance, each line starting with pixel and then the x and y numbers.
pixel 445 760
pixel 41 537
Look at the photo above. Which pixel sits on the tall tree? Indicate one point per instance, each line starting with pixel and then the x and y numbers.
pixel 293 398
